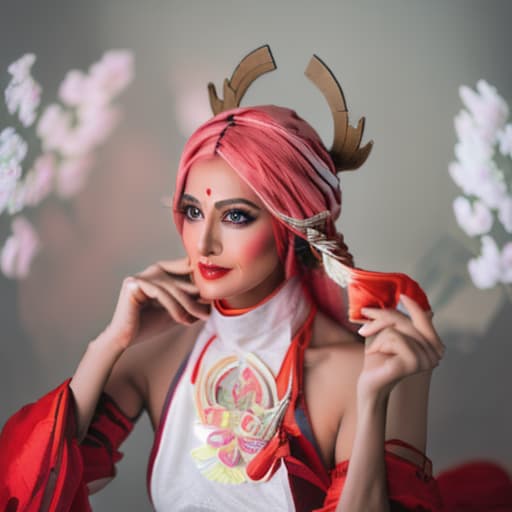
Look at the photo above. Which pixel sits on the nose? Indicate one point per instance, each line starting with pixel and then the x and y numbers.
pixel 209 242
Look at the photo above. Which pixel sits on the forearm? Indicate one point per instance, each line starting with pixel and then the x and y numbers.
pixel 365 486
pixel 91 376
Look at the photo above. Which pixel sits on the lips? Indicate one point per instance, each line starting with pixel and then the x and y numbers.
pixel 211 272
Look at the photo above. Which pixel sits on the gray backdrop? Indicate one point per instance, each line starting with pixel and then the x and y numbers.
pixel 400 64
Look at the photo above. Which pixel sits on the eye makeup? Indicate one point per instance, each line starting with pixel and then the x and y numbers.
pixel 233 216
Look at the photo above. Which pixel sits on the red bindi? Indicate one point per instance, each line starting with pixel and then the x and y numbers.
pixel 208 191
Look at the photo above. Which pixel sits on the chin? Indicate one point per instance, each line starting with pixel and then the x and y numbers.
pixel 216 290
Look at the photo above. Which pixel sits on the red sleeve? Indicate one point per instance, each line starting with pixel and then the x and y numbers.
pixel 108 429
pixel 42 467
pixel 410 486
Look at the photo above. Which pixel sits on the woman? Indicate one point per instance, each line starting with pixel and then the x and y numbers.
pixel 255 381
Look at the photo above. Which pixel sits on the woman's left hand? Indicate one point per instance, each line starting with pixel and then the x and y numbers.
pixel 397 346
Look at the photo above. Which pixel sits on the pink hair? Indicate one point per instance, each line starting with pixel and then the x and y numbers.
pixel 282 158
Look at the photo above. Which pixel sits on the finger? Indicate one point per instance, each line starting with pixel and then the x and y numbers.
pixel 181 266
pixel 373 327
pixel 388 318
pixel 192 304
pixel 416 355
pixel 407 324
pixel 186 286
pixel 423 321
pixel 387 315
pixel 173 306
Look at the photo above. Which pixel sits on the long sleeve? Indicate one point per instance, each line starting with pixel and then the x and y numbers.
pixel 42 466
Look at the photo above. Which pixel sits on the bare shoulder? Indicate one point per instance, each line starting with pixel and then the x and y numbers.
pixel 148 368
pixel 333 363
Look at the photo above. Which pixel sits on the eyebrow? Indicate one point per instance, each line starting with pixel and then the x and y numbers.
pixel 223 203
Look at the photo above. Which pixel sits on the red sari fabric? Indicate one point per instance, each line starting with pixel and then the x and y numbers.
pixel 477 486
pixel 42 466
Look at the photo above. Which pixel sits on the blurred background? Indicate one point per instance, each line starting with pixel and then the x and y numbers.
pixel 400 65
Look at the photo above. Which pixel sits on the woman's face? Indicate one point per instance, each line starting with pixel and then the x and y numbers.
pixel 227 233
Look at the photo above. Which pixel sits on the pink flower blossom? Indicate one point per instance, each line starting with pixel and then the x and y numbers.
pixel 53 127
pixel 474 219
pixel 73 89
pixel 505 214
pixel 39 181
pixel 19 249
pixel 505 140
pixel 485 269
pixel 109 76
pixel 94 125
pixel 23 93
pixel 72 175
pixel 488 108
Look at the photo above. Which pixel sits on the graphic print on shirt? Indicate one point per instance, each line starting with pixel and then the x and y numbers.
pixel 238 411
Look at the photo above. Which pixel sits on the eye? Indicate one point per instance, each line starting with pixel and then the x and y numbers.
pixel 237 216
pixel 191 212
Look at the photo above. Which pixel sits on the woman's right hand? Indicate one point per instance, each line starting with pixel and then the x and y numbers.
pixel 154 299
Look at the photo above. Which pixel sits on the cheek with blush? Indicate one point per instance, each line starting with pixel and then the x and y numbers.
pixel 260 247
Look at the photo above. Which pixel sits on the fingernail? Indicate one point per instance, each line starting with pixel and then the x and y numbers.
pixel 132 284
pixel 362 329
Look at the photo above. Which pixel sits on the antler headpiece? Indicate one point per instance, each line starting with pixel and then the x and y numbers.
pixel 345 151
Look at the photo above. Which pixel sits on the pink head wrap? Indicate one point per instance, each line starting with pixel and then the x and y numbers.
pixel 282 158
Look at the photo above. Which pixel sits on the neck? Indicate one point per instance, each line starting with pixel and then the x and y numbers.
pixel 227 309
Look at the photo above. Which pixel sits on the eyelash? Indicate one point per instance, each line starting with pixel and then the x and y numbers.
pixel 248 217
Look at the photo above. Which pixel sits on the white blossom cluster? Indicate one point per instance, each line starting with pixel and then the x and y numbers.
pixel 69 133
pixel 486 202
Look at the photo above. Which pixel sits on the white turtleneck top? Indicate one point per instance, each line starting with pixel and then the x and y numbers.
pixel 224 409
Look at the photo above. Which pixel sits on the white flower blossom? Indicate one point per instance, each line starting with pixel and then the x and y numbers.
pixel 505 140
pixel 491 187
pixel 23 93
pixel 485 269
pixel 506 263
pixel 482 180
pixel 481 133
pixel 488 108
pixel 474 219
pixel 505 213
pixel 13 149
pixel 465 126
pixel 19 249
pixel 12 152
pixel 20 69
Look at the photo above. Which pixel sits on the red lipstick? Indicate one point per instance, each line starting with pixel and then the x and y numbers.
pixel 211 272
